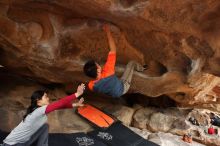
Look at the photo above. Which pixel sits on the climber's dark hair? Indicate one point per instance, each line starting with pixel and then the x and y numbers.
pixel 37 95
pixel 90 69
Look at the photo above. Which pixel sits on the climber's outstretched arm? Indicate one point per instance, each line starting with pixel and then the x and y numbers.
pixel 111 40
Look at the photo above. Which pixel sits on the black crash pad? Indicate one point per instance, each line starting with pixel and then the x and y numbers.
pixel 120 135
pixel 61 139
pixel 75 139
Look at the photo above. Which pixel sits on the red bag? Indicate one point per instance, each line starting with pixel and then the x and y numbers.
pixel 211 130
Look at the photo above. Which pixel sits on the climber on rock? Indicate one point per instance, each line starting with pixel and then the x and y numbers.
pixel 34 128
pixel 105 81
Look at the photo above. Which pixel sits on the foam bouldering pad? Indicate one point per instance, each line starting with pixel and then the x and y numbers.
pixel 74 139
pixel 95 116
pixel 62 139
pixel 120 135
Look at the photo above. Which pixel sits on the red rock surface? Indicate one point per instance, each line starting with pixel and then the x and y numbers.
pixel 179 40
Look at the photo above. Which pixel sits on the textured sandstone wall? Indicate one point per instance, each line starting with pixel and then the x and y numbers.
pixel 164 126
pixel 179 40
